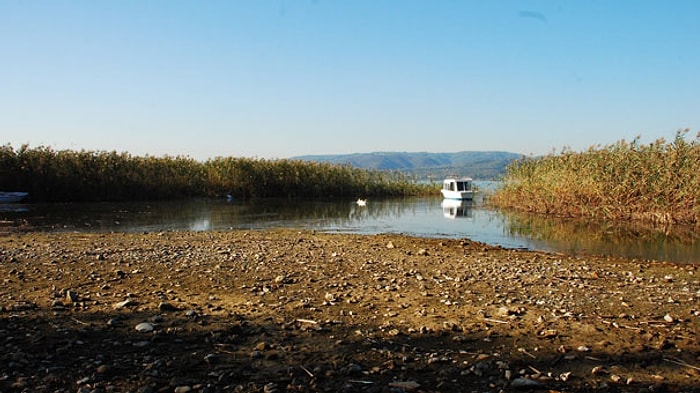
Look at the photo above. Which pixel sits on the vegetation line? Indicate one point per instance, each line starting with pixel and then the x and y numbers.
pixel 657 183
pixel 65 176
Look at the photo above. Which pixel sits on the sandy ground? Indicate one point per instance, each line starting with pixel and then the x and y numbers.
pixel 283 310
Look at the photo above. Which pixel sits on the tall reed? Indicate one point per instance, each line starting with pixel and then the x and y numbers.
pixel 65 175
pixel 657 183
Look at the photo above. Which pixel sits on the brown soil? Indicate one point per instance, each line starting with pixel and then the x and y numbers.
pixel 275 311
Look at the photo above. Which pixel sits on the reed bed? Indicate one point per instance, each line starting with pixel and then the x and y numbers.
pixel 656 183
pixel 65 175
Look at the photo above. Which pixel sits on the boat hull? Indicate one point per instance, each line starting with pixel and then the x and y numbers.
pixel 458 195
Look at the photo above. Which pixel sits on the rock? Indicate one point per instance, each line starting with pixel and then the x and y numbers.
pixel 526 384
pixel 183 389
pixel 71 297
pixel 271 388
pixel 165 306
pixel 261 346
pixel 390 245
pixel 145 327
pixel 329 297
pixel 406 385
pixel 352 369
pixel 280 279
pixel 598 370
pixel 126 303
pixel 212 358
pixel 548 333
pixel 157 319
pixel 504 312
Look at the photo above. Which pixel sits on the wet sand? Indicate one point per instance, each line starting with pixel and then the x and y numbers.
pixel 283 310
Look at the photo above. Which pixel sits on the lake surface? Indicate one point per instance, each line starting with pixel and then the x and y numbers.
pixel 423 217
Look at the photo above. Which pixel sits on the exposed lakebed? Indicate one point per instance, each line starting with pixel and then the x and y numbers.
pixel 305 311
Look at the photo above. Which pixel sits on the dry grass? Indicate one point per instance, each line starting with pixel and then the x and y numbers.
pixel 657 183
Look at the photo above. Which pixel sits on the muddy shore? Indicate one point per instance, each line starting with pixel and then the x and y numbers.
pixel 283 310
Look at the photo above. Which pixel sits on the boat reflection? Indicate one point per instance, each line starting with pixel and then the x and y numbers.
pixel 454 208
pixel 13 208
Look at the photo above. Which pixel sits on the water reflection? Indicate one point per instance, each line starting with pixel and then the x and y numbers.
pixel 12 208
pixel 632 240
pixel 425 217
pixel 452 208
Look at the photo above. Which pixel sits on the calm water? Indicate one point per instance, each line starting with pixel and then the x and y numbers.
pixel 425 217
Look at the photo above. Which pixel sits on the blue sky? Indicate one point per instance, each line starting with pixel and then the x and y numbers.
pixel 276 79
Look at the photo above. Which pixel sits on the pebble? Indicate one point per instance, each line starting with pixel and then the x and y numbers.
pixel 527 384
pixel 271 388
pixel 124 304
pixel 145 327
pixel 165 306
pixel 71 297
pixel 407 385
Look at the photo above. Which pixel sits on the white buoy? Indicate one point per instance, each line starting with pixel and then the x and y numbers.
pixel 361 202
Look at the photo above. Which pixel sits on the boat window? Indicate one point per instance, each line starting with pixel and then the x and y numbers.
pixel 460 186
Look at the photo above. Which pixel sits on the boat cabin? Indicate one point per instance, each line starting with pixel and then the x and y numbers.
pixel 453 188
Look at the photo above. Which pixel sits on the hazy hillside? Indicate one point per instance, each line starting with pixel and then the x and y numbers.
pixel 477 164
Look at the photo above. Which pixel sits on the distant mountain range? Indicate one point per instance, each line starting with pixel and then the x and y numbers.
pixel 426 166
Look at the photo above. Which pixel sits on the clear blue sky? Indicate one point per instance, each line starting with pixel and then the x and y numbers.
pixel 275 79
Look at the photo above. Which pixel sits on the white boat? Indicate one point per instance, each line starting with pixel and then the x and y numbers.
pixel 453 188
pixel 12 197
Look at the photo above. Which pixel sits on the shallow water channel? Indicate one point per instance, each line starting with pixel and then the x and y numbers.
pixel 423 217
